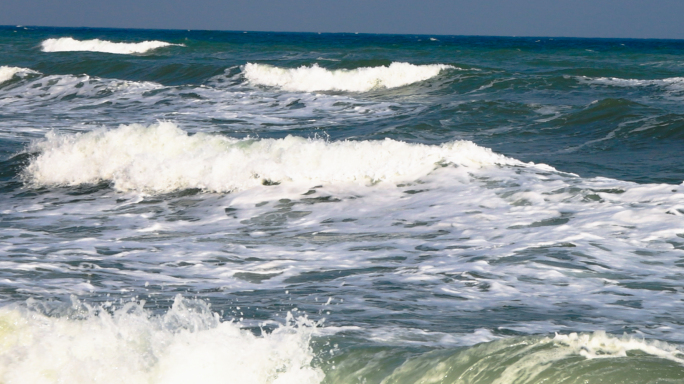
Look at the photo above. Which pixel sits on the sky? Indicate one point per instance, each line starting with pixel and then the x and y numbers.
pixel 570 18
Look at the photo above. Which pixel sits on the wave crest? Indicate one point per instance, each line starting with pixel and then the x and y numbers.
pixel 564 359
pixel 315 78
pixel 7 73
pixel 68 44
pixel 164 158
pixel 187 344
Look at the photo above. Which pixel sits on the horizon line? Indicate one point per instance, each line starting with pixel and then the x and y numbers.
pixel 9 26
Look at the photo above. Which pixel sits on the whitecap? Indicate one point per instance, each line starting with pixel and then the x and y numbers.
pixel 68 44
pixel 315 78
pixel 163 158
pixel 129 345
pixel 7 73
pixel 672 83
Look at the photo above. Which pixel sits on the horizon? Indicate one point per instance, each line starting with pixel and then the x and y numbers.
pixel 9 26
pixel 528 18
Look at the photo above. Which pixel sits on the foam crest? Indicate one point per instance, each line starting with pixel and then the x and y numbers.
pixel 675 83
pixel 315 78
pixel 535 359
pixel 7 73
pixel 68 44
pixel 599 345
pixel 563 359
pixel 187 344
pixel 163 158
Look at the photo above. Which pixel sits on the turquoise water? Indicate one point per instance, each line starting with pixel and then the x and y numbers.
pixel 339 208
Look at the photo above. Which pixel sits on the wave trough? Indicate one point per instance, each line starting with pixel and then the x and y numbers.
pixel 68 44
pixel 315 78
pixel 164 158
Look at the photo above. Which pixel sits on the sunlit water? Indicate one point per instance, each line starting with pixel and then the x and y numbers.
pixel 183 206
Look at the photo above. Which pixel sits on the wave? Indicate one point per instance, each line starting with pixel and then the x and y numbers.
pixel 676 83
pixel 315 78
pixel 7 73
pixel 163 158
pixel 573 358
pixel 190 343
pixel 68 44
pixel 220 100
pixel 187 344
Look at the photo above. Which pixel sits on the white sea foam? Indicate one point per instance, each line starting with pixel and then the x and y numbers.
pixel 315 78
pixel 496 233
pixel 599 345
pixel 223 97
pixel 162 158
pixel 672 83
pixel 6 73
pixel 68 44
pixel 187 344
pixel 534 362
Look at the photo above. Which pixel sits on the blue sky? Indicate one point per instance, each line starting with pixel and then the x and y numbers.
pixel 573 18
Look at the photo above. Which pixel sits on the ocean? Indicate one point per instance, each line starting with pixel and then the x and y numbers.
pixel 250 207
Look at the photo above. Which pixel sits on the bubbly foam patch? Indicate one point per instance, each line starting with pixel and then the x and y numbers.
pixel 673 83
pixel 68 44
pixel 600 345
pixel 163 158
pixel 6 73
pixel 315 78
pixel 189 344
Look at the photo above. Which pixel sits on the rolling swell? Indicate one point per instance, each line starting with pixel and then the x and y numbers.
pixel 571 359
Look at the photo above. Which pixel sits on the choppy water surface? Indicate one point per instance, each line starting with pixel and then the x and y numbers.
pixel 301 208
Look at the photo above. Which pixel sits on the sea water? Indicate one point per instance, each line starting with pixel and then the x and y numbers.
pixel 241 207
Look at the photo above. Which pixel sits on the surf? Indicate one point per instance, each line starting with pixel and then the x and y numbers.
pixel 164 158
pixel 316 78
pixel 188 343
pixel 124 342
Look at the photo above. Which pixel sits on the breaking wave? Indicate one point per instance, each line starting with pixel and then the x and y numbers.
pixel 187 344
pixel 190 343
pixel 68 44
pixel 164 158
pixel 315 78
pixel 7 73
pixel 573 358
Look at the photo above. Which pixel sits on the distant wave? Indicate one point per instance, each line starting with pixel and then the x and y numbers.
pixel 67 44
pixel 672 82
pixel 364 79
pixel 7 73
pixel 164 158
